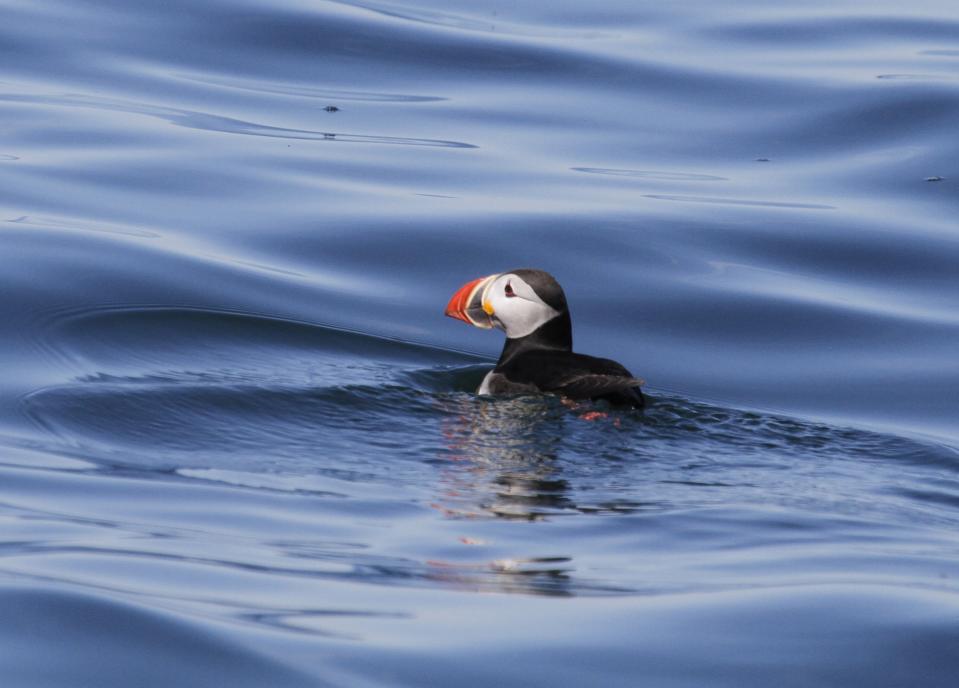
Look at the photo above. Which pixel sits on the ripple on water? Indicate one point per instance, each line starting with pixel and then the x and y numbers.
pixel 919 77
pixel 229 125
pixel 494 23
pixel 650 174
pixel 83 226
pixel 138 637
pixel 195 390
pixel 304 91
pixel 740 201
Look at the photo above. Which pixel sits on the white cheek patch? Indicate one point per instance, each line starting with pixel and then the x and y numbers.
pixel 518 315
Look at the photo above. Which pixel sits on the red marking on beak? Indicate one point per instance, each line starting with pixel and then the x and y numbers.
pixel 457 306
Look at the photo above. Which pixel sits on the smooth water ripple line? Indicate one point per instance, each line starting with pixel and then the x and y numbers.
pixel 651 174
pixel 739 201
pixel 208 122
pixel 83 226
pixel 310 91
pixel 495 24
pixel 920 77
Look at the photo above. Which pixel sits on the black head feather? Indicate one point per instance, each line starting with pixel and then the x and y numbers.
pixel 545 286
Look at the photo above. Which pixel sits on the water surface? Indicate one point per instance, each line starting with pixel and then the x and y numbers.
pixel 238 440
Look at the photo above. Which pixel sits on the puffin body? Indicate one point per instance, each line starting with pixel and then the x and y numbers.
pixel 530 307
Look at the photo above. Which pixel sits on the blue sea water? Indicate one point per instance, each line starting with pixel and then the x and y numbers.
pixel 238 440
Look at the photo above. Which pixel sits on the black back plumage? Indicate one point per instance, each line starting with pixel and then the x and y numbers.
pixel 572 375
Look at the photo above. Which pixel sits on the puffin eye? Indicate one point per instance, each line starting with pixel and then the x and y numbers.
pixel 509 290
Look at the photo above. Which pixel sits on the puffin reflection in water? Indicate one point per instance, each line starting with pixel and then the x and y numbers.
pixel 530 307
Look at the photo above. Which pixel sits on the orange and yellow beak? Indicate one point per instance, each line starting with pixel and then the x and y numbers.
pixel 467 303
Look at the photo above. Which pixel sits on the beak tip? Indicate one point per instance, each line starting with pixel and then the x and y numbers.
pixel 459 305
pixel 450 313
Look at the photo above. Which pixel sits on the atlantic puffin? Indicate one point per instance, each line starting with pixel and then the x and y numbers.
pixel 530 307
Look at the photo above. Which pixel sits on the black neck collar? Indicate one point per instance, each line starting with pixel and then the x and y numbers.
pixel 554 334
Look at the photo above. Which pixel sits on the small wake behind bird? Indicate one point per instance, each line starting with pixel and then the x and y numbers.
pixel 530 307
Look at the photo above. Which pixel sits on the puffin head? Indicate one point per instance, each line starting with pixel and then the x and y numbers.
pixel 518 302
